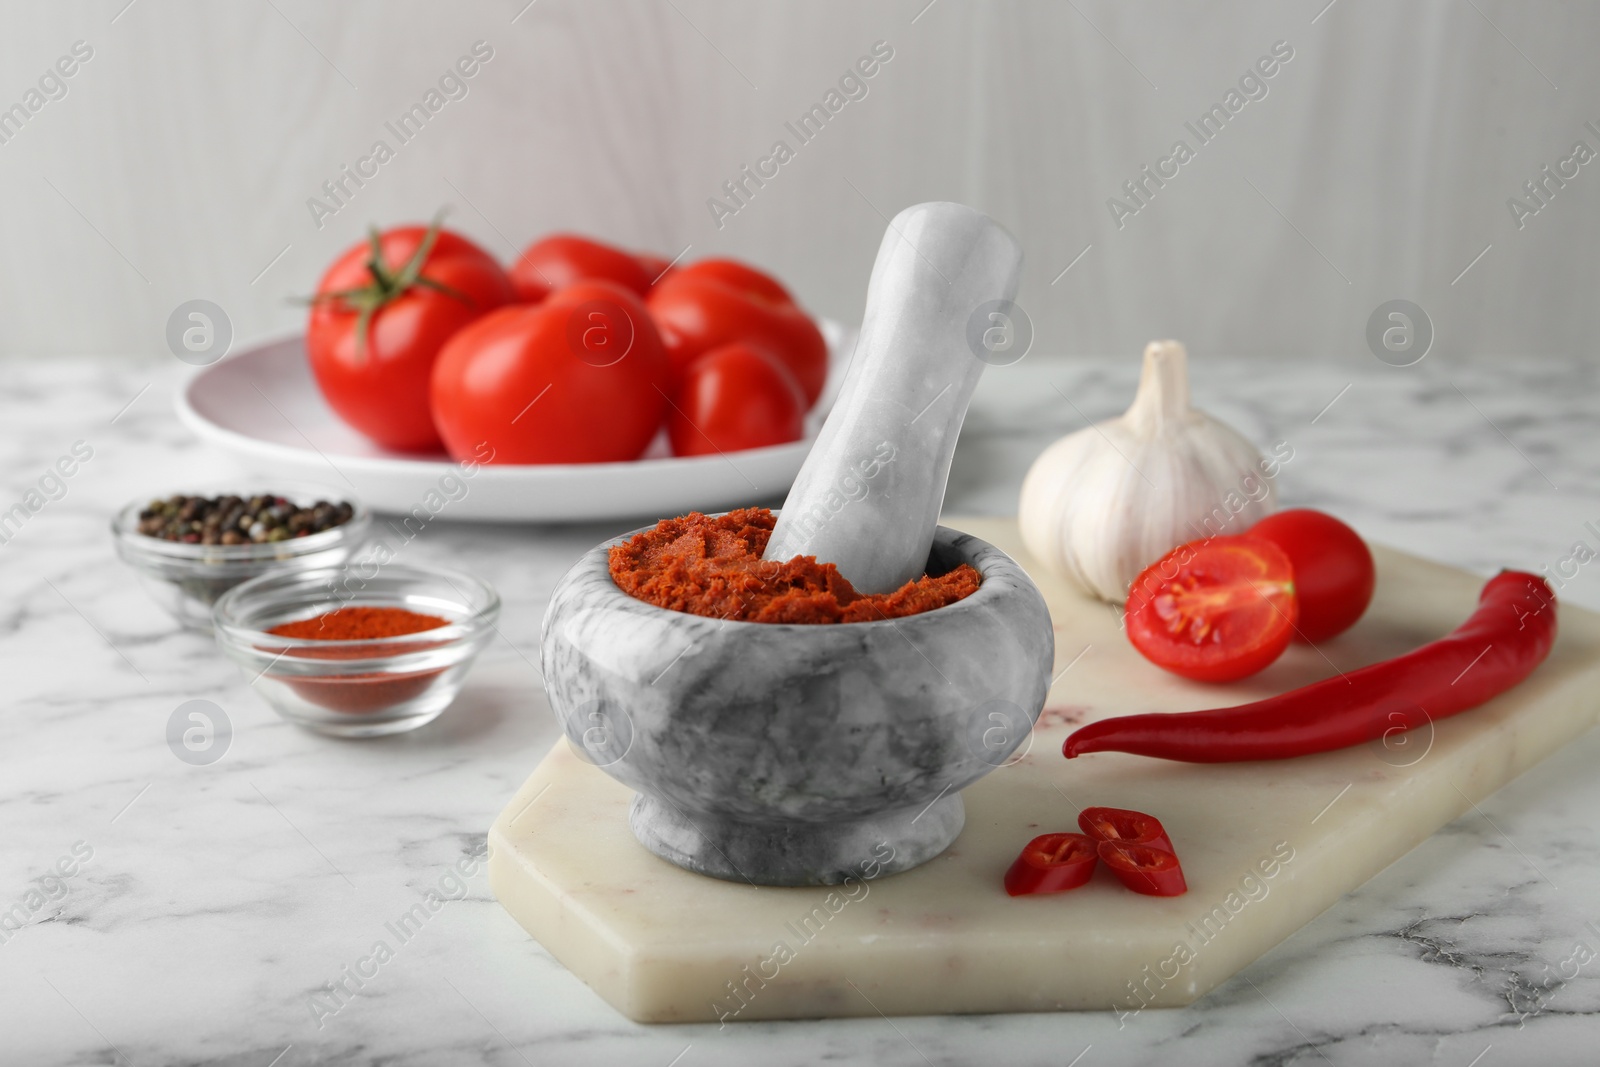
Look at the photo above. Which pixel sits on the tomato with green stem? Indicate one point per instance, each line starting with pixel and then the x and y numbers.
pixel 381 314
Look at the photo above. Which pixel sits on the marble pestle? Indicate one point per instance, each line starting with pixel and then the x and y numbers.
pixel 869 494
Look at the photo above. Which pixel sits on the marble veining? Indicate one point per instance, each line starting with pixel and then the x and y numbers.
pixel 862 733
pixel 219 900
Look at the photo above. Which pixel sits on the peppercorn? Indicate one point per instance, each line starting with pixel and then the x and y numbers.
pixel 237 520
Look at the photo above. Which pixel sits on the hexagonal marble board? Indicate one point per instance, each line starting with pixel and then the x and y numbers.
pixel 1265 846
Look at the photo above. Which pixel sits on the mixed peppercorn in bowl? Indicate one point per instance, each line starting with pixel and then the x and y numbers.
pixel 189 549
pixel 232 519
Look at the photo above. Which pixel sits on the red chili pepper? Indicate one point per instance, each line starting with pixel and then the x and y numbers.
pixel 1144 869
pixel 1124 824
pixel 1498 646
pixel 1050 863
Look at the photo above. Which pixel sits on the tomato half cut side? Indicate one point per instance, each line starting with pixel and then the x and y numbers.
pixel 1126 825
pixel 1214 610
pixel 1155 872
pixel 1052 863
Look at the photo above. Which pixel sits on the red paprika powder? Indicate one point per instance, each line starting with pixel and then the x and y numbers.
pixel 364 693
pixel 360 624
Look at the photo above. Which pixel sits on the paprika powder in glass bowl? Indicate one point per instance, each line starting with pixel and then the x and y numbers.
pixel 352 655
pixel 186 576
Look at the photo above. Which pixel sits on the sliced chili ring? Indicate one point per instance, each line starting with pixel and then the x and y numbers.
pixel 1051 863
pixel 1124 824
pixel 1144 868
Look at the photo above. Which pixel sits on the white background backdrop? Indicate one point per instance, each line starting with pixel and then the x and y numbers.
pixel 180 162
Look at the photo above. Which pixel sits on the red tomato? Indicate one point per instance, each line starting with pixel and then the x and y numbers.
pixel 698 313
pixel 556 261
pixel 740 276
pixel 655 267
pixel 598 289
pixel 732 398
pixel 1214 610
pixel 577 379
pixel 374 334
pixel 1333 571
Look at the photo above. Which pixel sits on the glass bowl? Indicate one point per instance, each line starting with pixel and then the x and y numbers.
pixel 366 688
pixel 187 579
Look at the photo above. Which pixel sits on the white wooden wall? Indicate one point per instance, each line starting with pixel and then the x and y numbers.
pixel 180 160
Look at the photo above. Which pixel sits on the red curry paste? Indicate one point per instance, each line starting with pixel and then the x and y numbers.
pixel 713 566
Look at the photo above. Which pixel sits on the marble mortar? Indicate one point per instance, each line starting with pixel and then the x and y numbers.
pixel 791 754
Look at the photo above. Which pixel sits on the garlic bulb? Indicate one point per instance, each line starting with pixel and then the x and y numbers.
pixel 1102 504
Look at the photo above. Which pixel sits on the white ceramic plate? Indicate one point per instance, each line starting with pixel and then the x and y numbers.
pixel 261 406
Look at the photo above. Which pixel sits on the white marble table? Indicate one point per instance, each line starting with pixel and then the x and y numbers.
pixel 216 901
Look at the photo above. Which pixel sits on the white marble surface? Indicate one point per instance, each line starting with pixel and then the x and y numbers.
pixel 219 899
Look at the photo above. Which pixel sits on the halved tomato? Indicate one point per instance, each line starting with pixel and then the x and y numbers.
pixel 1214 610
